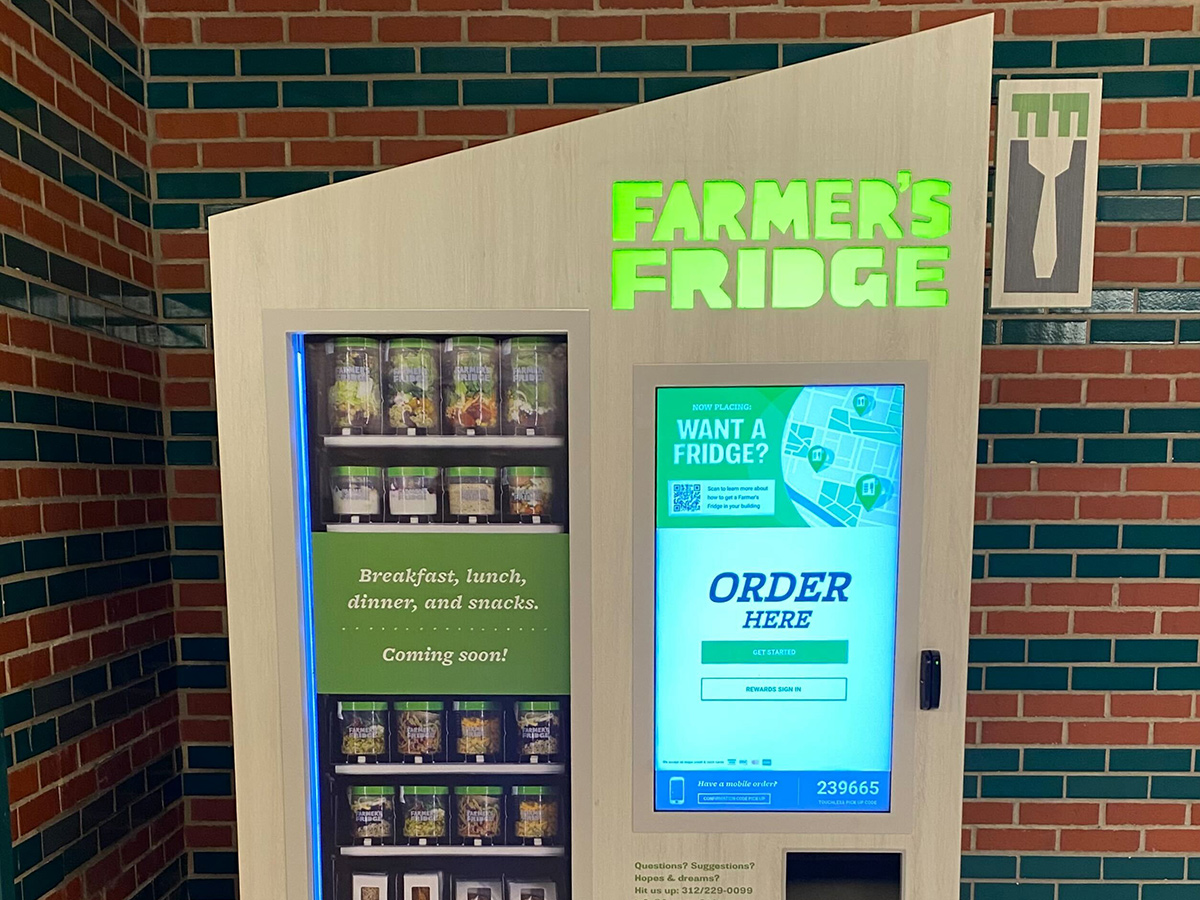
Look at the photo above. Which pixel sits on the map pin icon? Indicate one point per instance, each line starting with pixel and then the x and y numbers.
pixel 862 404
pixel 818 458
pixel 870 491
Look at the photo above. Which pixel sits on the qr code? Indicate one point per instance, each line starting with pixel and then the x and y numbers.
pixel 685 497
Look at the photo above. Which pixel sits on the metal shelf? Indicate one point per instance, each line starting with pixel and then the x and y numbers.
pixel 451 850
pixel 443 441
pixel 450 768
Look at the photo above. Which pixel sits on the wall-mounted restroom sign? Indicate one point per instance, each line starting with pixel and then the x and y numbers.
pixel 1047 152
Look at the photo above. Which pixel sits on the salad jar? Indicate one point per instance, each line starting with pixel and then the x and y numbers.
pixel 372 814
pixel 412 386
pixel 532 376
pixel 364 731
pixel 533 812
pixel 412 494
pixel 469 381
pixel 478 724
pixel 539 730
pixel 420 729
pixel 528 491
pixel 471 494
pixel 425 814
pixel 477 813
pixel 357 495
pixel 354 396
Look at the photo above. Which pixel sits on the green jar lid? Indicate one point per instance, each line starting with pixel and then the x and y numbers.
pixel 471 472
pixel 375 790
pixel 366 342
pixel 527 472
pixel 476 705
pixel 533 791
pixel 413 471
pixel 538 706
pixel 476 790
pixel 530 340
pixel 469 340
pixel 363 707
pixel 419 705
pixel 425 790
pixel 417 342
pixel 371 471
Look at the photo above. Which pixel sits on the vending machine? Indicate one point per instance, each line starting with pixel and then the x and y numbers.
pixel 598 502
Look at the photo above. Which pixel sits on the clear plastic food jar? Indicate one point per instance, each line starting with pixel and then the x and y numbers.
pixel 425 814
pixel 531 372
pixel 412 378
pixel 372 814
pixel 478 814
pixel 533 812
pixel 413 494
pixel 420 729
pixel 539 730
pixel 528 492
pixel 469 385
pixel 364 730
pixel 479 726
pixel 353 393
pixel 471 494
pixel 357 493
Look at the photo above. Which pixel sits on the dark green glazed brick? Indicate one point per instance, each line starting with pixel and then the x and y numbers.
pixel 1107 787
pixel 1183 565
pixel 1001 537
pixel 596 90
pixel 199 185
pixel 1127 450
pixel 1185 451
pixel 1169 301
pixel 176 215
pixel 1178 678
pixel 167 95
pixel 642 59
pixel 986 759
pixel 1164 420
pixel 439 60
pixel 1026 678
pixel 56 446
pixel 372 60
pixel 1027 890
pixel 283 62
pixel 1139 209
pixel 505 90
pixel 553 59
pixel 794 53
pixel 1133 868
pixel 1070 650
pixel 193 422
pixel 1033 565
pixel 974 678
pixel 35 409
pixel 1167 760
pixel 1081 421
pixel 189 453
pixel 1041 331
pixel 323 94
pixel 192 62
pixel 279 184
pixel 1031 786
pixel 1165 177
pixel 1106 678
pixel 1065 867
pixel 1042 450
pixel 19 105
pixel 235 94
pixel 1071 537
pixel 1063 759
pixel 45 553
pixel 1168 51
pixel 1007 421
pixel 1097 891
pixel 10 559
pixel 22 596
pixel 1171 891
pixel 198 537
pixel 1116 565
pixel 1022 54
pixel 657 88
pixel 1175 787
pixel 1145 84
pixel 187 306
pixel 1117 178
pixel 413 92
pixel 990 330
pixel 734 57
pixel 13 293
pixel 972 866
pixel 1193 203
pixel 1167 537
pixel 194 568
pixel 989 650
pixel 1155 650
pixel 1089 54
pixel 1133 331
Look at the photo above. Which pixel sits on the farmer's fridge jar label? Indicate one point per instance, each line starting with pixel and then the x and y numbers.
pixel 477 813
pixel 471 494
pixel 426 811
pixel 413 493
pixel 372 814
pixel 419 729
pixel 413 386
pixel 480 729
pixel 356 493
pixel 469 385
pixel 353 394
pixel 364 730
pixel 539 730
pixel 532 377
pixel 529 490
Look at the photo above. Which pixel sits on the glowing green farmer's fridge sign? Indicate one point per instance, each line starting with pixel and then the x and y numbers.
pixel 857 241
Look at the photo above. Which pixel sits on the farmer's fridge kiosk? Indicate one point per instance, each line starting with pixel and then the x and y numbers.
pixel 598 502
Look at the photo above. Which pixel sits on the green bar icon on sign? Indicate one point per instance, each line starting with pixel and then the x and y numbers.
pixel 773 652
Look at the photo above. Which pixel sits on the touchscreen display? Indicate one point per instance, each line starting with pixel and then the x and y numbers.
pixel 776 550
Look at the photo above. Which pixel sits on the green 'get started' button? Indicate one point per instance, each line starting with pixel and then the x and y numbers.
pixel 777 652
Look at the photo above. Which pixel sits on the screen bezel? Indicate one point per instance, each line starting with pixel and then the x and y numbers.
pixel 647 379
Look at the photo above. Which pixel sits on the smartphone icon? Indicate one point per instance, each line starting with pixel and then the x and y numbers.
pixel 676 791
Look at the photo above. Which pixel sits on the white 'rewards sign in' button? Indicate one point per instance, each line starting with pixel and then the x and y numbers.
pixel 772 688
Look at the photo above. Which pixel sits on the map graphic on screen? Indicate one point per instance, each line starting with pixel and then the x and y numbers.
pixel 776 556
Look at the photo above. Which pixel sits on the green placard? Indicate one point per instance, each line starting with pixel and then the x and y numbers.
pixel 441 613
